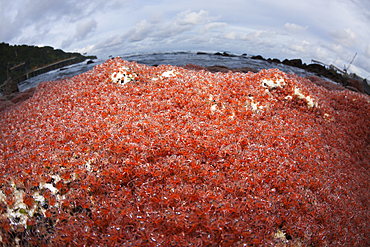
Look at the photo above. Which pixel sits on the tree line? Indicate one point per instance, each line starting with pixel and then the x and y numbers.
pixel 35 56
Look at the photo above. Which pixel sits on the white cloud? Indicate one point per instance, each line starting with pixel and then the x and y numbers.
pixel 230 35
pixel 83 29
pixel 345 37
pixel 192 18
pixel 139 32
pixel 336 48
pixel 213 25
pixel 251 36
pixel 294 28
pixel 184 21
pixel 248 35
pixel 267 27
pixel 320 53
pixel 303 47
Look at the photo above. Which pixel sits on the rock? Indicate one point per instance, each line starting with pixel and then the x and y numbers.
pixel 5 104
pixel 202 53
pixel 259 57
pixel 24 95
pixel 90 61
pixel 328 73
pixel 366 86
pixel 316 68
pixel 225 54
pixel 224 69
pixel 245 70
pixel 10 87
pixel 275 60
pixel 14 98
pixel 294 63
pixel 193 67
pixel 354 85
pixel 218 68
pixel 324 83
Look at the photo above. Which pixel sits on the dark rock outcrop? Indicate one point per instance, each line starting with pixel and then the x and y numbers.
pixel 14 98
pixel 354 85
pixel 295 63
pixel 5 104
pixel 366 86
pixel 328 73
pixel 224 69
pixel 324 83
pixel 259 57
pixel 10 87
pixel 245 70
pixel 275 60
pixel 225 54
pixel 218 68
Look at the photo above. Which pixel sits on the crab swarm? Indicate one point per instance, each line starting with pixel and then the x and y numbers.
pixel 177 157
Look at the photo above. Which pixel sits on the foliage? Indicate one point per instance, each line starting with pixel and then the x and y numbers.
pixel 36 57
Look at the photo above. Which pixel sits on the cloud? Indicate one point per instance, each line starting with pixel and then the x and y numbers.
pixel 367 51
pixel 294 28
pixel 210 26
pixel 83 29
pixel 192 18
pixel 320 53
pixel 251 36
pixel 303 47
pixel 140 31
pixel 184 21
pixel 44 21
pixel 230 35
pixel 159 30
pixel 186 28
pixel 345 37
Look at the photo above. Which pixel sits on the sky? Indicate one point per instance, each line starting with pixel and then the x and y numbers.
pixel 330 31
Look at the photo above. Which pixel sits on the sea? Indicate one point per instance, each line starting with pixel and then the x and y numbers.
pixel 177 58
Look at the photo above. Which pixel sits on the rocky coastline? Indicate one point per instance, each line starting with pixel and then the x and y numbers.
pixel 344 80
pixel 11 94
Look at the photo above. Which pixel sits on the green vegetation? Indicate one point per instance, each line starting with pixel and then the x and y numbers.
pixel 36 57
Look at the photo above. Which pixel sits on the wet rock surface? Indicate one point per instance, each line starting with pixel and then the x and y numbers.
pixel 320 70
pixel 10 87
pixel 14 98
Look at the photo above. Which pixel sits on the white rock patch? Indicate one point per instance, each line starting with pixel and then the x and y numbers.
pixel 123 76
pixel 169 73
pixel 308 99
pixel 271 84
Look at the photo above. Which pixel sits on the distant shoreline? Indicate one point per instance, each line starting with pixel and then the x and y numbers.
pixel 348 81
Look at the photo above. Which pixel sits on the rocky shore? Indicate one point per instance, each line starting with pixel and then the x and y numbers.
pixel 15 97
pixel 345 81
pixel 318 69
pixel 11 94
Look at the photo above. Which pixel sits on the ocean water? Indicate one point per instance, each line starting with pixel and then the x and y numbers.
pixel 172 58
